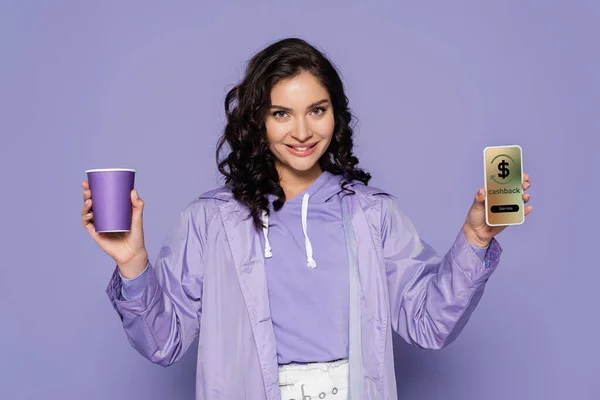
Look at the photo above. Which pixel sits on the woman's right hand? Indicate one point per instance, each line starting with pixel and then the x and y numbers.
pixel 126 248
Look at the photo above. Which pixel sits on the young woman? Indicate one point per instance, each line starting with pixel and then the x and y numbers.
pixel 293 275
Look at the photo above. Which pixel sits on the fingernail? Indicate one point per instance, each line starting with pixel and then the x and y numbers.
pixel 87 202
pixel 135 194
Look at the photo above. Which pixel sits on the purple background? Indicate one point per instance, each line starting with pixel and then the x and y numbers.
pixel 141 85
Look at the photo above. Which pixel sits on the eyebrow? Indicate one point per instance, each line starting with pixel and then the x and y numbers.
pixel 316 103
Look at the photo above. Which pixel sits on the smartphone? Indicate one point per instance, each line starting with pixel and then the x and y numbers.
pixel 503 169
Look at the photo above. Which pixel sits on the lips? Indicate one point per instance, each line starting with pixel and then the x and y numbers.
pixel 304 147
pixel 302 150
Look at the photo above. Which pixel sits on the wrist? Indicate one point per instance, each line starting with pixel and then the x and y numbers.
pixel 473 238
pixel 135 266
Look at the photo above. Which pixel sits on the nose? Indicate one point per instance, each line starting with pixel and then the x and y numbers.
pixel 301 131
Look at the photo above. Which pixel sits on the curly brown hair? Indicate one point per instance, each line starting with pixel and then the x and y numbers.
pixel 249 167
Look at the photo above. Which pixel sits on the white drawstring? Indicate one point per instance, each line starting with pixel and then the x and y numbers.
pixel 311 263
pixel 265 218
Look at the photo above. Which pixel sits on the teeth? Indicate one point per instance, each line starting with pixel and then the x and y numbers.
pixel 301 148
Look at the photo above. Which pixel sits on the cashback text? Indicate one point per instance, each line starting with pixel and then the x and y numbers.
pixel 505 191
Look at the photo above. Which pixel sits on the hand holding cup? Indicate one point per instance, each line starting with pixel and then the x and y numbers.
pixel 115 223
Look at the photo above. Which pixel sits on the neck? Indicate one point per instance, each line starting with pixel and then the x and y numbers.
pixel 294 182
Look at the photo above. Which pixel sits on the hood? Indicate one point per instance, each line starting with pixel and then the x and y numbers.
pixel 322 190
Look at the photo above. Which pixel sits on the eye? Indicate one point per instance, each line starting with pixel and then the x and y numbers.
pixel 318 111
pixel 279 114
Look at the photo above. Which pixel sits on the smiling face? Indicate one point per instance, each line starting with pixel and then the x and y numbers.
pixel 299 125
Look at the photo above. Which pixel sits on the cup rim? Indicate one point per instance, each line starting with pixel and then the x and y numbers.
pixel 110 170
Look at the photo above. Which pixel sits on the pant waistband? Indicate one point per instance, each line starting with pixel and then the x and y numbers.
pixel 314 380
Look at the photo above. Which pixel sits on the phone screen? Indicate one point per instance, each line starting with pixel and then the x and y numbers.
pixel 503 166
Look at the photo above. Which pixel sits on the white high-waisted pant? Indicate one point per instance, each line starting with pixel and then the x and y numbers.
pixel 314 381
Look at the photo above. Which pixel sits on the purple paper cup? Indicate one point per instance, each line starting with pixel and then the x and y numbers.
pixel 111 198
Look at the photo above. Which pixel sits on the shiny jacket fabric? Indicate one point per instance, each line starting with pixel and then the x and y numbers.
pixel 209 283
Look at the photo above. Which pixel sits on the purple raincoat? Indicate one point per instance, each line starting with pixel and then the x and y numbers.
pixel 209 283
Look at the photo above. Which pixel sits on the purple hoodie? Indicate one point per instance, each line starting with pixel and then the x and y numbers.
pixel 214 237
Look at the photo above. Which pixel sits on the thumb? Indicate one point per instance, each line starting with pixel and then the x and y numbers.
pixel 138 207
pixel 479 200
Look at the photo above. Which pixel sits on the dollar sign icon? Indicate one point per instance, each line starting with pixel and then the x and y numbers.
pixel 504 172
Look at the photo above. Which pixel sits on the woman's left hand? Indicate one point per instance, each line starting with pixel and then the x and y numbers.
pixel 475 228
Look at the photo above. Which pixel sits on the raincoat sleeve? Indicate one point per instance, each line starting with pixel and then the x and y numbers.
pixel 161 318
pixel 431 297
